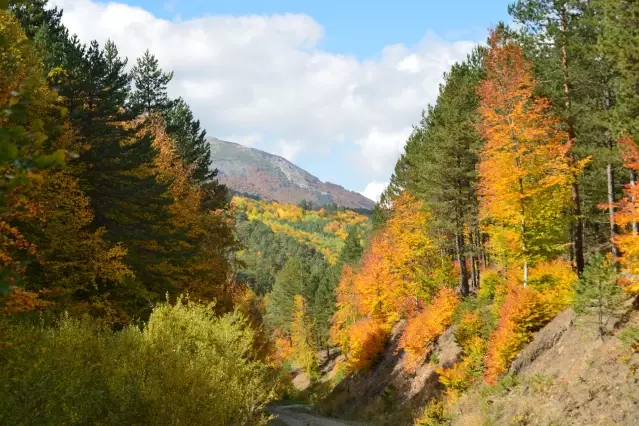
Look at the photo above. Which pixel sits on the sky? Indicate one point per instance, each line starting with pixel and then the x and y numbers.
pixel 333 86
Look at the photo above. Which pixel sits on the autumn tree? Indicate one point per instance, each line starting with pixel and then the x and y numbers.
pixel 561 38
pixel 439 166
pixel 525 172
pixel 627 219
pixel 29 114
pixel 302 337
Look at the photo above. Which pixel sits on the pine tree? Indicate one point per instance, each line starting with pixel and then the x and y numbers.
pixel 620 43
pixel 115 165
pixel 150 85
pixel 190 140
pixel 323 307
pixel 34 14
pixel 291 281
pixel 353 249
pixel 598 290
pixel 439 165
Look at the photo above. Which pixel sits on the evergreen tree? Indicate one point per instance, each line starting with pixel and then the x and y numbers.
pixel 439 165
pixel 324 307
pixel 150 85
pixel 620 43
pixel 291 281
pixel 598 291
pixel 34 14
pixel 115 165
pixel 190 140
pixel 353 249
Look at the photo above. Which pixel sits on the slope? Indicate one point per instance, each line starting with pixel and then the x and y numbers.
pixel 273 178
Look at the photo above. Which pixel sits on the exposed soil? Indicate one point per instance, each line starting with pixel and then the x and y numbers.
pixel 568 375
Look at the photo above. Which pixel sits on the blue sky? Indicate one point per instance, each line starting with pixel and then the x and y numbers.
pixel 332 85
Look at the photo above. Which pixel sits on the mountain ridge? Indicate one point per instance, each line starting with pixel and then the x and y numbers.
pixel 271 177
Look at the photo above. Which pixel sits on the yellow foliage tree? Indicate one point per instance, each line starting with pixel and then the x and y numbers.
pixel 302 345
pixel 525 172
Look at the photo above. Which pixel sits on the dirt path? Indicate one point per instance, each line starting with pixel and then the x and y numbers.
pixel 295 415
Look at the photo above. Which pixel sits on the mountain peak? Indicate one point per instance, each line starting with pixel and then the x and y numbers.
pixel 274 178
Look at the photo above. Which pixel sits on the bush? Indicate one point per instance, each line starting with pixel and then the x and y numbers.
pixel 366 341
pixel 186 366
pixel 428 325
pixel 527 310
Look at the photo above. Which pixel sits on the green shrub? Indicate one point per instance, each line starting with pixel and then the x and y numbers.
pixel 186 366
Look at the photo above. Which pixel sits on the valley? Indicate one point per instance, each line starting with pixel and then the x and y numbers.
pixel 151 274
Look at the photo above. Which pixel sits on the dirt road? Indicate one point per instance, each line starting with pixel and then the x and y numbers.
pixel 296 415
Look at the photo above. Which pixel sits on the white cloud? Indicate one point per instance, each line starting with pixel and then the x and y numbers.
pixel 374 189
pixel 245 139
pixel 265 75
pixel 287 149
pixel 379 150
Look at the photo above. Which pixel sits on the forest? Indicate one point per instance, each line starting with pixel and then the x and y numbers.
pixel 136 289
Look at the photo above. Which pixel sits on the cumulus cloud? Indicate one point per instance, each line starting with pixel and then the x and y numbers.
pixel 264 80
pixel 373 190
pixel 287 149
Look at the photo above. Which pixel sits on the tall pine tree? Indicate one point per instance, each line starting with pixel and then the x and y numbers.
pixel 150 85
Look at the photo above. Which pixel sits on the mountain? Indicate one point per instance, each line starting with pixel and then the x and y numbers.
pixel 273 178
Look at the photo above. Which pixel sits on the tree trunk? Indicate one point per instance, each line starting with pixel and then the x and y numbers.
pixel 578 225
pixel 461 258
pixel 610 175
pixel 473 260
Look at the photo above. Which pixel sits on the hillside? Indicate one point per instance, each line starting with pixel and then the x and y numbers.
pixel 567 372
pixel 273 178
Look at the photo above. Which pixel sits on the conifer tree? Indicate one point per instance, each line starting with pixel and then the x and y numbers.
pixel 439 165
pixel 34 14
pixel 150 85
pixel 190 140
pixel 353 249
pixel 620 43
pixel 115 165
pixel 323 307
pixel 598 290
pixel 290 281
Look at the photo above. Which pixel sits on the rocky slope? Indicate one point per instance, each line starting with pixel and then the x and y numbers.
pixel 568 375
pixel 273 178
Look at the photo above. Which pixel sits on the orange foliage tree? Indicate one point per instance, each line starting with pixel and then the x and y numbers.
pixel 524 169
pixel 402 269
pixel 423 328
pixel 526 310
pixel 366 340
pixel 627 218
